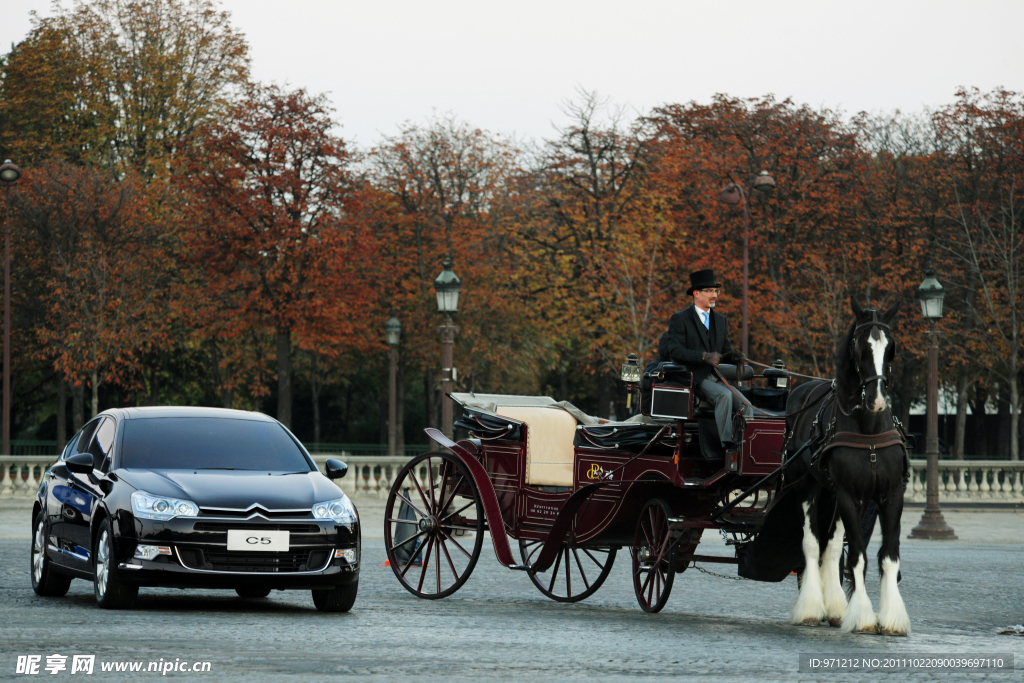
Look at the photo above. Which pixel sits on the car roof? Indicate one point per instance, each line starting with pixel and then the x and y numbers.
pixel 147 412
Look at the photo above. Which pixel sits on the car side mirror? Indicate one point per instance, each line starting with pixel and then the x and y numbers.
pixel 335 469
pixel 80 463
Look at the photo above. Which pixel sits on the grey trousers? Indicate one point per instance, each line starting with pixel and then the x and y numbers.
pixel 726 405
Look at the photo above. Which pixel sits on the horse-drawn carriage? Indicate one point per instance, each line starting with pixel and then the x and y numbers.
pixel 574 490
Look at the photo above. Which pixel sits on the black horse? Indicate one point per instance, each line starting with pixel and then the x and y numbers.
pixel 849 450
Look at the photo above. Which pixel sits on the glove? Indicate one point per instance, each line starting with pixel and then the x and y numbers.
pixel 712 358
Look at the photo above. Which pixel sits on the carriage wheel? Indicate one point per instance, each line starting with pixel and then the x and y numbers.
pixel 577 573
pixel 653 557
pixel 433 525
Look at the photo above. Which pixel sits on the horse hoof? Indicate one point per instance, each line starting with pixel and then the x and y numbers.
pixel 869 629
pixel 890 632
pixel 835 621
pixel 810 621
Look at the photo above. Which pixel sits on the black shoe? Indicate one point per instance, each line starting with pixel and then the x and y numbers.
pixel 730 446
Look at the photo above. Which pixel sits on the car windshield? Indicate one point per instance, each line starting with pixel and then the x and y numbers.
pixel 194 443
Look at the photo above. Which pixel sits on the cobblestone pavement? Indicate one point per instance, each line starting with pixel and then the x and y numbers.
pixel 500 626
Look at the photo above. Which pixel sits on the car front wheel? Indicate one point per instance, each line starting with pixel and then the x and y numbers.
pixel 111 592
pixel 45 581
pixel 337 599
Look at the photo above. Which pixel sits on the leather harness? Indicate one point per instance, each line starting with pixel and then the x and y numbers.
pixel 868 442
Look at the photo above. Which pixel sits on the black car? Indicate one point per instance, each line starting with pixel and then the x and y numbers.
pixel 193 498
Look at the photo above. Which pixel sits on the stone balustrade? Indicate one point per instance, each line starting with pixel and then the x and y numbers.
pixel 20 475
pixel 973 481
pixel 368 475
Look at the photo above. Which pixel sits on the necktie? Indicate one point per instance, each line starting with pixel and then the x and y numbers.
pixel 704 316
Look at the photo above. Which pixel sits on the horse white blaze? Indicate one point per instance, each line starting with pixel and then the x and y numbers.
pixel 859 614
pixel 892 613
pixel 835 598
pixel 810 603
pixel 878 355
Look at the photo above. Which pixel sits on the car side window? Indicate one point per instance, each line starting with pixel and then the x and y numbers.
pixel 85 436
pixel 70 447
pixel 102 444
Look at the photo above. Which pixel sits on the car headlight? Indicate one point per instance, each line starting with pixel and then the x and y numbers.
pixel 148 506
pixel 339 509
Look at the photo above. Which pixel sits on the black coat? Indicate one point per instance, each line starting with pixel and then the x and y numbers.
pixel 687 340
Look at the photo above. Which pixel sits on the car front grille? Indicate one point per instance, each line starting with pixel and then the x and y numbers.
pixel 225 561
pixel 268 514
pixel 226 526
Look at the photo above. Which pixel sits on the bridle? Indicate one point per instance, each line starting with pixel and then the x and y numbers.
pixel 865 381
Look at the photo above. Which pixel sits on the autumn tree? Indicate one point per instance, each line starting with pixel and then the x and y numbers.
pixel 101 268
pixel 981 137
pixel 118 82
pixel 590 246
pixel 444 186
pixel 270 184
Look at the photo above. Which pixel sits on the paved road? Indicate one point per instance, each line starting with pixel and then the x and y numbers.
pixel 499 626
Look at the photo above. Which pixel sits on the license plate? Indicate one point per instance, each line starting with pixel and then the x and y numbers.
pixel 258 540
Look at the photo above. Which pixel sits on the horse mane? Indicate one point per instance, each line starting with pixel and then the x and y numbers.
pixel 847 375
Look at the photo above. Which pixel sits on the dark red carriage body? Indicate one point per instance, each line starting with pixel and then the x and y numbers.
pixel 586 487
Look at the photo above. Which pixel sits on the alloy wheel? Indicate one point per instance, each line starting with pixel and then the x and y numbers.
pixel 39 554
pixel 102 564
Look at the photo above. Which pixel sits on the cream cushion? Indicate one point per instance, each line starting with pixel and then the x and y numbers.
pixel 549 443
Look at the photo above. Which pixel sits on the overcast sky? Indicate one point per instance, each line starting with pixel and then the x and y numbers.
pixel 508 66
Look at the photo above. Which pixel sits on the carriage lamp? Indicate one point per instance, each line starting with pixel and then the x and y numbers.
pixel 631 369
pixel 780 382
pixel 447 286
pixel 930 294
pixel 393 330
pixel 631 375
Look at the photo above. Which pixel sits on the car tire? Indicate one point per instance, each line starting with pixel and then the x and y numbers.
pixel 111 592
pixel 252 592
pixel 45 580
pixel 337 599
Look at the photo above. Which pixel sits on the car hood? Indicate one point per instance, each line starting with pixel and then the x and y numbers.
pixel 235 489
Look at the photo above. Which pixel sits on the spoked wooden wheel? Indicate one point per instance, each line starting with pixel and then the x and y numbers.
pixel 576 574
pixel 653 557
pixel 433 525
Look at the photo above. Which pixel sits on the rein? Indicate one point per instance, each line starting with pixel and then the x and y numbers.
pixel 792 374
pixel 743 399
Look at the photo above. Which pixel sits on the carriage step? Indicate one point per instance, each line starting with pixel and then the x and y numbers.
pixel 704 483
pixel 519 567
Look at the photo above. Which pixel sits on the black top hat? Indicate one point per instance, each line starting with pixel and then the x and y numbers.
pixel 702 279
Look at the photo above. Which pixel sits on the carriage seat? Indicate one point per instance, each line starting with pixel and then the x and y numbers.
pixel 550 455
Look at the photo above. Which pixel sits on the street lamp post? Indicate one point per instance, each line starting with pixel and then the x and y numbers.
pixel 393 335
pixel 9 174
pixel 447 285
pixel 733 194
pixel 932 524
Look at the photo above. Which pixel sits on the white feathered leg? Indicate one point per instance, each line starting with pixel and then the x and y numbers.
pixel 892 613
pixel 810 604
pixel 835 598
pixel 859 616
